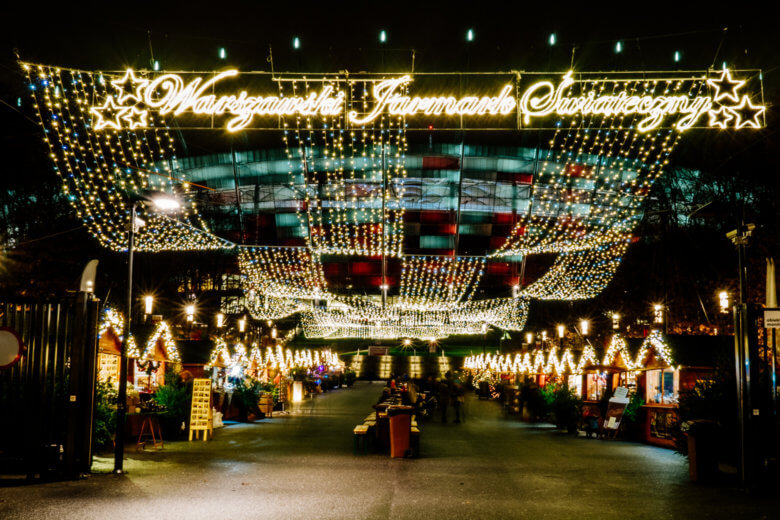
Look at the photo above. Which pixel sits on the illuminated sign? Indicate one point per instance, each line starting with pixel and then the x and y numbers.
pixel 718 103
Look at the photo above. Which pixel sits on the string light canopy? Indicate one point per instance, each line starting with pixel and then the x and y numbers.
pixel 345 137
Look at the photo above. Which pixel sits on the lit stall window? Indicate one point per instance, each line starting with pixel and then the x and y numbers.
pixel 628 379
pixel 385 366
pixel 597 385
pixel 357 365
pixel 415 367
pixel 575 384
pixel 444 365
pixel 663 386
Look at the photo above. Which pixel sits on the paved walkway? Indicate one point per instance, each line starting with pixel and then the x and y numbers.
pixel 302 466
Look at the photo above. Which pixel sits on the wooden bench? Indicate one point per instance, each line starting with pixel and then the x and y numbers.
pixel 361 432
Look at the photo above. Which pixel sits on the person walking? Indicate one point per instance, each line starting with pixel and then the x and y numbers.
pixel 444 398
pixel 458 398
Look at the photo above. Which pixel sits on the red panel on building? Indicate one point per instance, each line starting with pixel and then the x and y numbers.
pixel 503 218
pixel 364 268
pixel 334 268
pixel 498 268
pixel 435 217
pixel 496 242
pixel 578 170
pixel 440 163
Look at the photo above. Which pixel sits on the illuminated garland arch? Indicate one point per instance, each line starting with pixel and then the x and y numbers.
pixel 109 139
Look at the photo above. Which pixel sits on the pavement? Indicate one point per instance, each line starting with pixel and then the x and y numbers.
pixel 302 466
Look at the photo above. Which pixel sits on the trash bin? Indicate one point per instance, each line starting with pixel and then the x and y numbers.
pixel 400 430
pixel 703 450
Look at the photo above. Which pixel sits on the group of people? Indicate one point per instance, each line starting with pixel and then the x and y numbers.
pixel 448 392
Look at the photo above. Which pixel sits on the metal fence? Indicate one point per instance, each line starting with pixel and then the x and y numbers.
pixel 47 398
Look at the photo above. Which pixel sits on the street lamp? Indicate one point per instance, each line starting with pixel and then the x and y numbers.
pixel 470 35
pixel 242 325
pixel 220 320
pixel 529 337
pixel 189 310
pixel 163 202
pixel 615 321
pixel 382 36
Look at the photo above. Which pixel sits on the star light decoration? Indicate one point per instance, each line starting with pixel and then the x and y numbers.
pixel 110 151
pixel 740 110
pixel 585 199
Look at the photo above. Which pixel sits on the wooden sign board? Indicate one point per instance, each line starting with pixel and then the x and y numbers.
pixel 378 351
pixel 615 409
pixel 201 419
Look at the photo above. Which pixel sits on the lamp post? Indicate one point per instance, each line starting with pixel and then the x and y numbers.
pixel 166 203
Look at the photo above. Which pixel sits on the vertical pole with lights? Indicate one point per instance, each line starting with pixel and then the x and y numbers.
pixel 165 203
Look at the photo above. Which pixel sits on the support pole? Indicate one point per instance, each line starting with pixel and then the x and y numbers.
pixel 121 411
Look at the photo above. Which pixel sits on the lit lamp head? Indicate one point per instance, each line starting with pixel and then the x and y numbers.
pixel 723 300
pixel 273 332
pixel 615 321
pixel 658 313
pixel 407 342
pixel 529 337
pixel 165 202
pixel 242 325
pixel 189 310
pixel 584 326
pixel 148 302
pixel 544 335
pixel 561 331
pixel 220 320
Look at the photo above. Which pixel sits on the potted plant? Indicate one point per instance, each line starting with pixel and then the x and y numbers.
pixel 173 399
pixel 631 416
pixel 247 397
pixel 565 406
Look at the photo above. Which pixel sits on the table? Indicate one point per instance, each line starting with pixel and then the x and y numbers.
pixel 150 422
